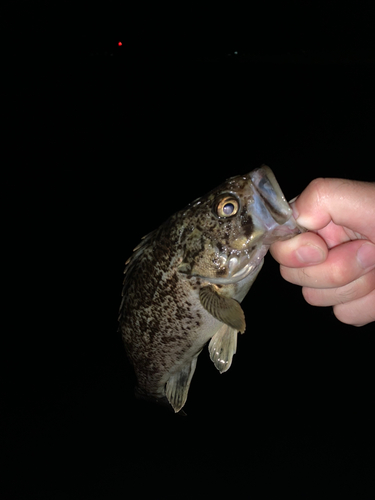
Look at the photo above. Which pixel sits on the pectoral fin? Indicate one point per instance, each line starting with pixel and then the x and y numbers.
pixel 178 384
pixel 222 347
pixel 224 309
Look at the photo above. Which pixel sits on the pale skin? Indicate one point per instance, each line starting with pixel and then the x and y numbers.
pixel 334 261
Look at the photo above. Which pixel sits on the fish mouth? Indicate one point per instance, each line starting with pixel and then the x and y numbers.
pixel 268 192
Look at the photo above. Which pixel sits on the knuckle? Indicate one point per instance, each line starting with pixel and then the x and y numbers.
pixel 344 313
pixel 309 294
pixel 355 313
pixel 337 275
pixel 319 187
pixel 287 273
pixel 353 290
pixel 346 293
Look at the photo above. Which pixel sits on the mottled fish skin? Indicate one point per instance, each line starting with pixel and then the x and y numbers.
pixel 184 282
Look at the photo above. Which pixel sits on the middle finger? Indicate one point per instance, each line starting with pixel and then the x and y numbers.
pixel 333 296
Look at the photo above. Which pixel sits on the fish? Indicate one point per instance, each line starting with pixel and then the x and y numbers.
pixel 185 281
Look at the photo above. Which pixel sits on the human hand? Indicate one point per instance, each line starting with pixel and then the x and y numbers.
pixel 335 261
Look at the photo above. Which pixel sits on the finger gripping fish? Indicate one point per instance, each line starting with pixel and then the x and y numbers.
pixel 185 281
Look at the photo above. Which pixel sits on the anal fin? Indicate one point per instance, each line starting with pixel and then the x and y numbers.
pixel 178 384
pixel 222 348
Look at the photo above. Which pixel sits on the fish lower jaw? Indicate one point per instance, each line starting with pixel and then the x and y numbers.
pixel 239 271
pixel 247 271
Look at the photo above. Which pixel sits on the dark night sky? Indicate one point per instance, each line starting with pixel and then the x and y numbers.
pixel 123 138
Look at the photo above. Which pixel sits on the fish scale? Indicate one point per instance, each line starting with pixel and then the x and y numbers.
pixel 185 281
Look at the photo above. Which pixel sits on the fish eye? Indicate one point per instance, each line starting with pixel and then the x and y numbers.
pixel 227 206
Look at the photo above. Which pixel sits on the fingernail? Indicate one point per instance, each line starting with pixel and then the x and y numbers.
pixel 366 255
pixel 310 254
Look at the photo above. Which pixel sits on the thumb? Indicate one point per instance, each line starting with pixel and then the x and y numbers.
pixel 347 203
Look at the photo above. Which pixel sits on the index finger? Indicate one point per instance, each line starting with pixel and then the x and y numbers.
pixel 347 203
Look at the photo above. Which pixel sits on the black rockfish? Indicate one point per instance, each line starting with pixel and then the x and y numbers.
pixel 185 281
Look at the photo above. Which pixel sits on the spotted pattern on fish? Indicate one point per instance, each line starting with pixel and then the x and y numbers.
pixel 165 318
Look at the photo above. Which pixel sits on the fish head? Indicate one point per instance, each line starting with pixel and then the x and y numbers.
pixel 232 227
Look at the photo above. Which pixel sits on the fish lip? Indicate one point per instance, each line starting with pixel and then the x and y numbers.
pixel 268 189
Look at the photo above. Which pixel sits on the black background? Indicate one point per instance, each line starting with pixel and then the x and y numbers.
pixel 111 141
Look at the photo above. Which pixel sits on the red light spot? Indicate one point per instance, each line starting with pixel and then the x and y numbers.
pixel 119 44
